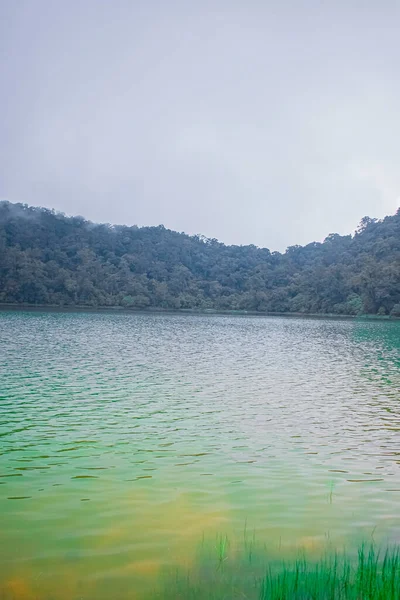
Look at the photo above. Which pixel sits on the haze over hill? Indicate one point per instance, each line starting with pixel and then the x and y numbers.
pixel 270 123
pixel 49 259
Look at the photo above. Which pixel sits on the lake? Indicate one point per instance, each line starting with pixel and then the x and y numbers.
pixel 127 439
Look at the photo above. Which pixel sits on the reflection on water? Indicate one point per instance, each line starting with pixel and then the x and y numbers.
pixel 125 438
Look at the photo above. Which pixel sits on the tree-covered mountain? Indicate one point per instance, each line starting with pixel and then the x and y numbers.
pixel 48 258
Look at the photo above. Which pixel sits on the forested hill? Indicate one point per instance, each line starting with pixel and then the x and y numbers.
pixel 48 258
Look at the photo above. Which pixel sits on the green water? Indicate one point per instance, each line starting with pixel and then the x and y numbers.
pixel 125 439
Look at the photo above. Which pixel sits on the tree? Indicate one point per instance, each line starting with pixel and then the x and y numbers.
pixel 48 258
pixel 395 312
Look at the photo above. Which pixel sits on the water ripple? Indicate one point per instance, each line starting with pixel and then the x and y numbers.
pixel 137 432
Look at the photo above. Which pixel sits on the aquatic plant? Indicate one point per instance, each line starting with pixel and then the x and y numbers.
pixel 371 577
pixel 371 574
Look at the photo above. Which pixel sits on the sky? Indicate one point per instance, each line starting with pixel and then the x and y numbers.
pixel 266 122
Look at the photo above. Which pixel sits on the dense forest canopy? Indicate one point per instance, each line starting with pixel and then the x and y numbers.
pixel 49 258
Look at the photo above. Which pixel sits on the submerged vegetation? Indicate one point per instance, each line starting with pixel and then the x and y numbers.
pixel 371 575
pixel 221 572
pixel 47 258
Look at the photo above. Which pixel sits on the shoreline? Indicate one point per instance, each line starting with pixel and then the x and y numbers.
pixel 185 311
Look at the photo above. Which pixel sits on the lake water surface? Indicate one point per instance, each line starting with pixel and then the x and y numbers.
pixel 127 438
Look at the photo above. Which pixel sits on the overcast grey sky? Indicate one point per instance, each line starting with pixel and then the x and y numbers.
pixel 266 122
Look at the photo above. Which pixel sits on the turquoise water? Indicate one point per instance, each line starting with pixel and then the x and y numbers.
pixel 127 438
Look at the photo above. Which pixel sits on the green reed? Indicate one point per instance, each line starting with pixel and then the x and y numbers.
pixel 370 577
pixel 224 573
